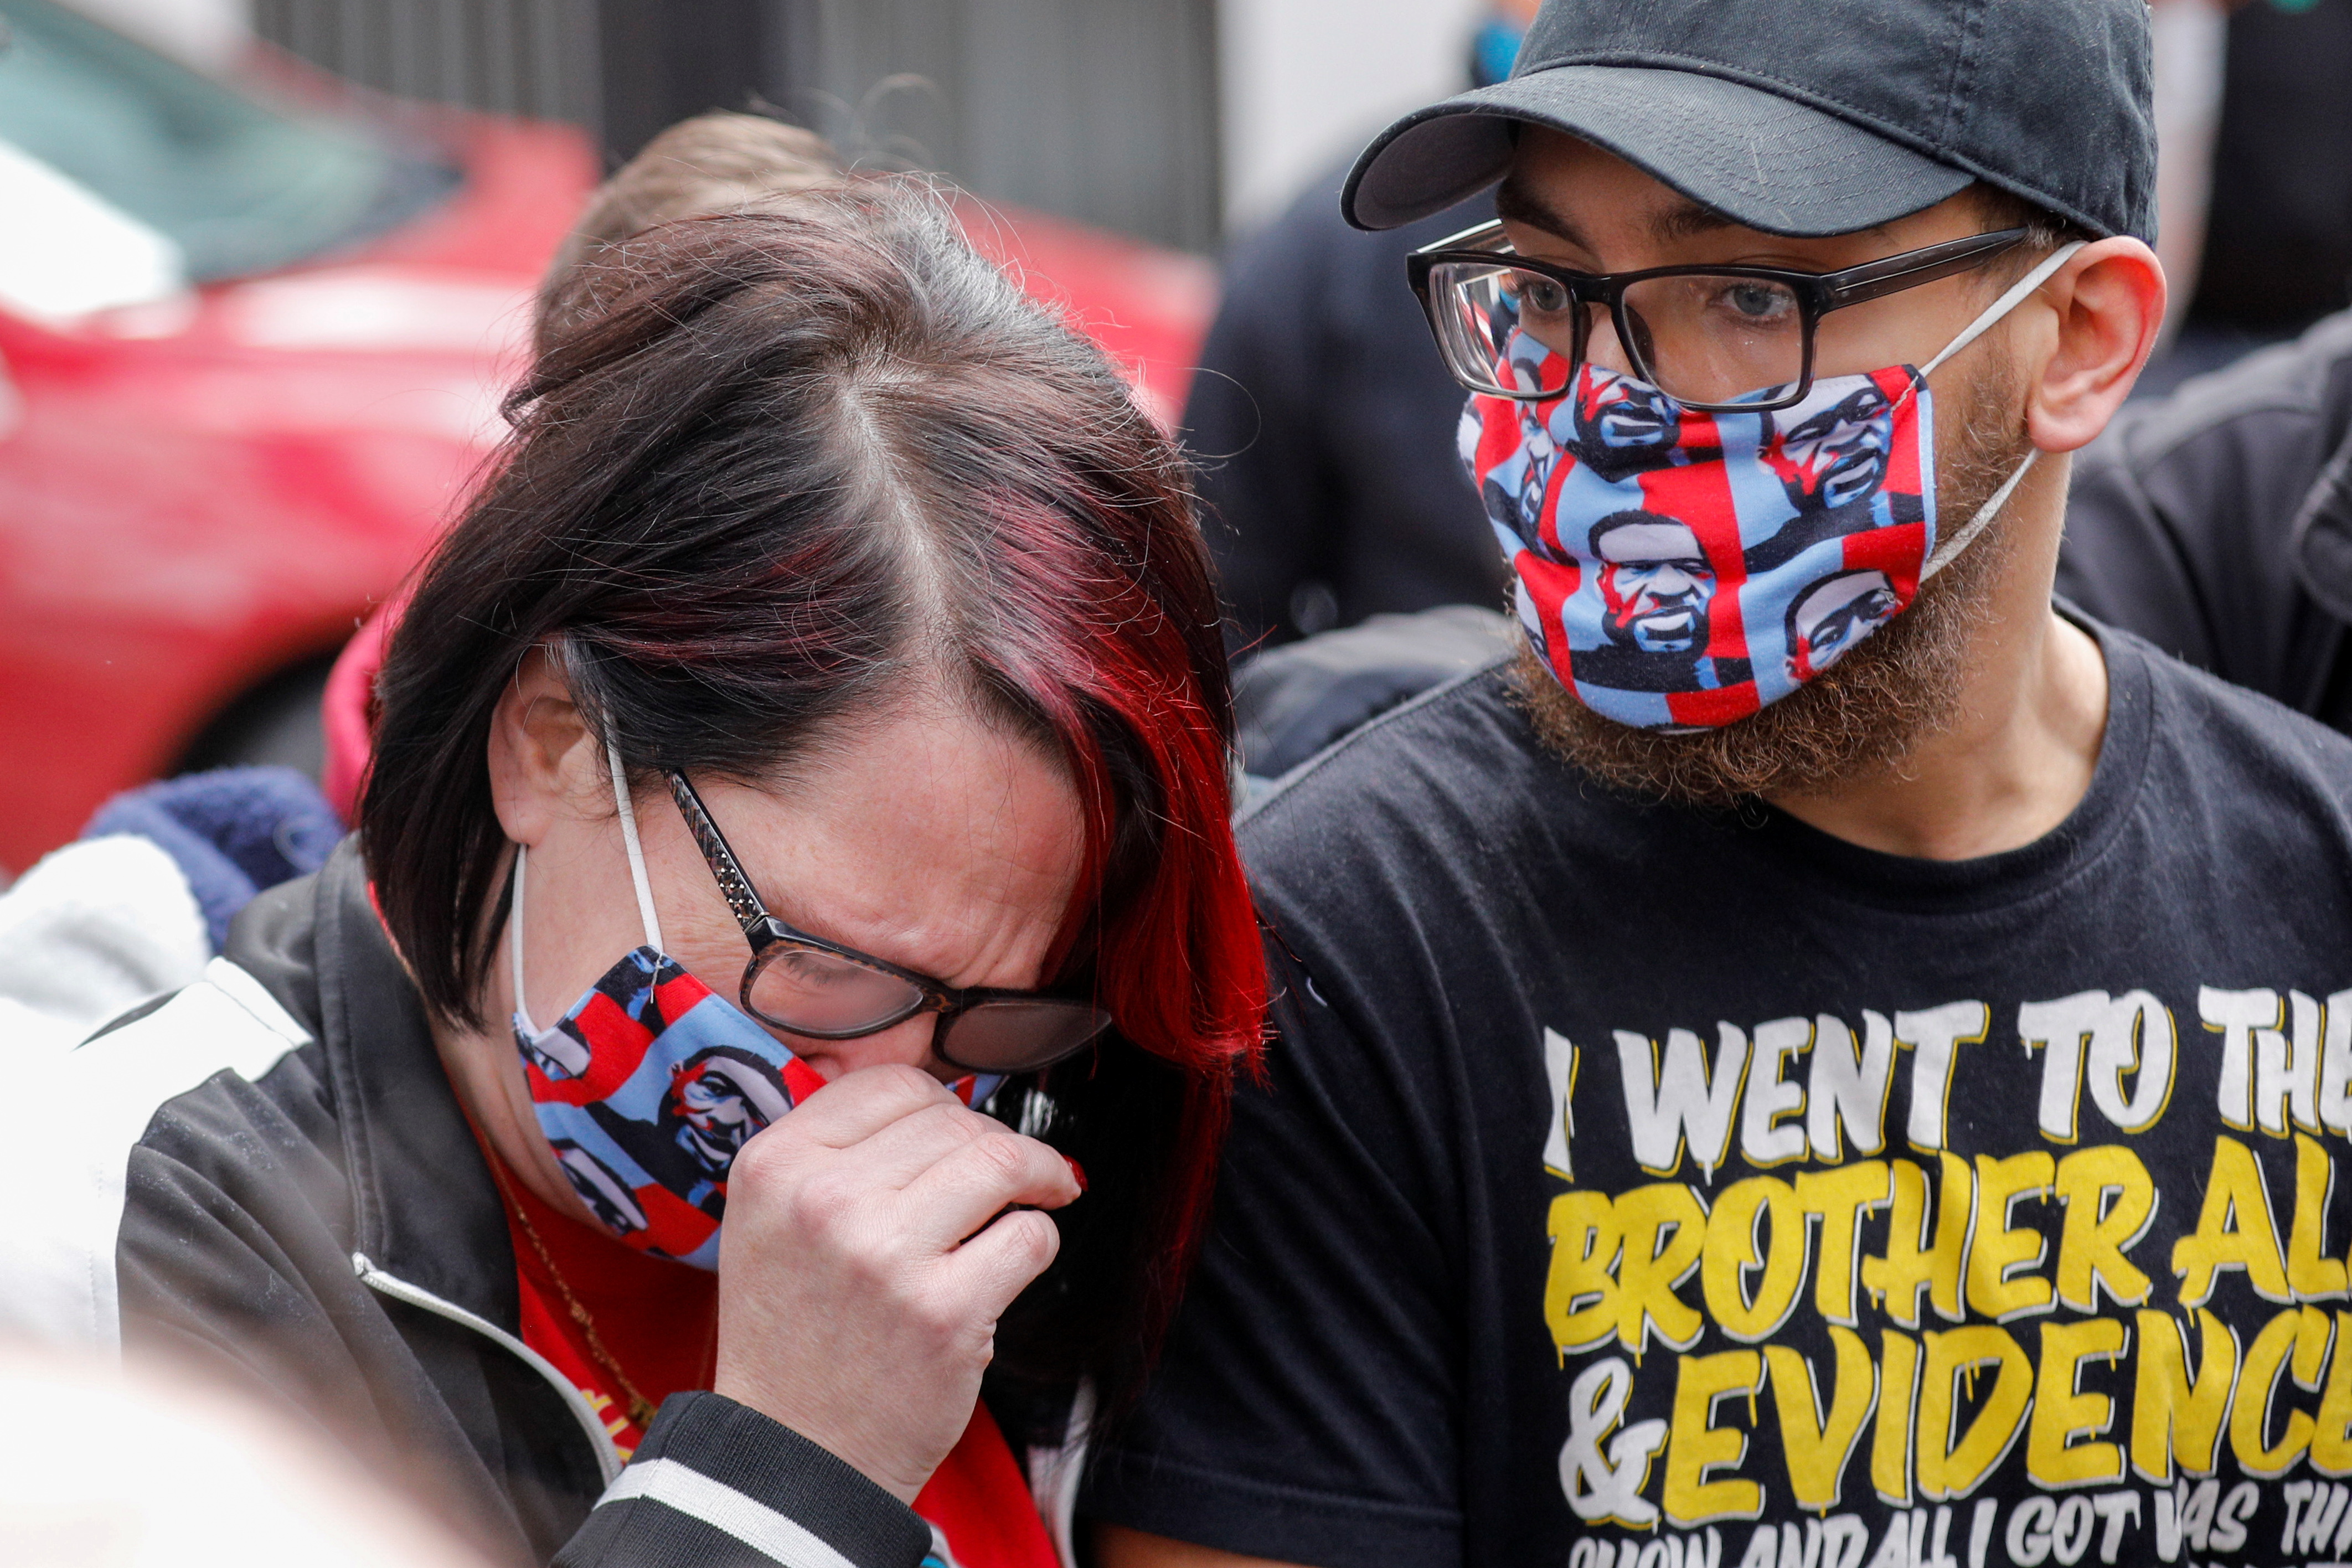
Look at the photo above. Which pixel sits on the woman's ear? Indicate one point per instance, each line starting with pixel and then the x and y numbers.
pixel 544 763
pixel 2108 301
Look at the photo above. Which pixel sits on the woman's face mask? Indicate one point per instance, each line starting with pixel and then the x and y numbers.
pixel 651 1083
pixel 1679 570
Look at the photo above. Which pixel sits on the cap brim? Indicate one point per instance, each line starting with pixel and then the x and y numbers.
pixel 1754 156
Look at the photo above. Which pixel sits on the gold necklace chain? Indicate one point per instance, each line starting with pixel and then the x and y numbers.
pixel 641 1409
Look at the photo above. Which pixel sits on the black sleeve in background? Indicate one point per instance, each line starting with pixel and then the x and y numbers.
pixel 2121 560
pixel 1250 426
pixel 2278 232
pixel 1323 423
pixel 2180 524
pixel 1307 1408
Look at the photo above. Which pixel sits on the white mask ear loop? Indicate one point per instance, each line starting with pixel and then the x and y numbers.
pixel 2004 305
pixel 514 940
pixel 636 851
pixel 1949 549
pixel 637 876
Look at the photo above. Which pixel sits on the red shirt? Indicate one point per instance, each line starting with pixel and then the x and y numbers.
pixel 659 1320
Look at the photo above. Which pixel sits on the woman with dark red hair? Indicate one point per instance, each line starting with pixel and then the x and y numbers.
pixel 793 960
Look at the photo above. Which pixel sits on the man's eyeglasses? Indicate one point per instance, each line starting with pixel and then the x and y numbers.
pixel 804 984
pixel 1710 337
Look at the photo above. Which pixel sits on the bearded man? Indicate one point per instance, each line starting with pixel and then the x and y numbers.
pixel 1879 1111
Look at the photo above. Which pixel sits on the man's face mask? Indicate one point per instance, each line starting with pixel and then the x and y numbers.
pixel 651 1084
pixel 1679 569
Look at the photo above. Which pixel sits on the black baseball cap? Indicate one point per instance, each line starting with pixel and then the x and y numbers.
pixel 1809 116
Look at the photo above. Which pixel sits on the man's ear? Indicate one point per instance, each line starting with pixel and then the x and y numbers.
pixel 544 762
pixel 2107 306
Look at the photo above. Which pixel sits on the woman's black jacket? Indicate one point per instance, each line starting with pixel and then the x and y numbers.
pixel 267 1174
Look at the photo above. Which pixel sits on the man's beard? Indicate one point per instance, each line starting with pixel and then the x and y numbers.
pixel 1864 714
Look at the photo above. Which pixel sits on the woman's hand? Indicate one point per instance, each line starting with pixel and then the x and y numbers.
pixel 860 1277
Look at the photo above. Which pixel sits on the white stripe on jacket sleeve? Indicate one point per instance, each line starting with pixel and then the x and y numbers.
pixel 721 1507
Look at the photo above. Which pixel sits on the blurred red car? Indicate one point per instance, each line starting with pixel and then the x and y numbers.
pixel 251 351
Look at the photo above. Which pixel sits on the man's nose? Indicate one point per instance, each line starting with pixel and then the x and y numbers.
pixel 1671 581
pixel 1601 345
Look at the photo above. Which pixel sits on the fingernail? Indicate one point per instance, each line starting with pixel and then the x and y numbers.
pixel 1078 1172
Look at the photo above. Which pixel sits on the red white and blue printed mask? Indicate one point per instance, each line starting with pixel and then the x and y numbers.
pixel 1679 570
pixel 649 1086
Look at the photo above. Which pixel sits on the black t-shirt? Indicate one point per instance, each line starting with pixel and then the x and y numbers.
pixel 1639 1188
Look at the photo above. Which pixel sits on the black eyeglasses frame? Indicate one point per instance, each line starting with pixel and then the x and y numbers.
pixel 764 930
pixel 1817 293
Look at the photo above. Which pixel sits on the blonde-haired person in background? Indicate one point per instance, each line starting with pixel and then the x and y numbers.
pixel 715 162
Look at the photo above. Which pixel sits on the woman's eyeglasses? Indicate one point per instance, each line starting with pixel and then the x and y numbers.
pixel 804 984
pixel 1710 337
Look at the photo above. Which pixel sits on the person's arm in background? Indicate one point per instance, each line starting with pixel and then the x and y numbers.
pixel 1249 428
pixel 2187 518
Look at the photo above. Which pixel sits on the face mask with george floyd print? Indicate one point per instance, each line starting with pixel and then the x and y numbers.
pixel 1679 570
